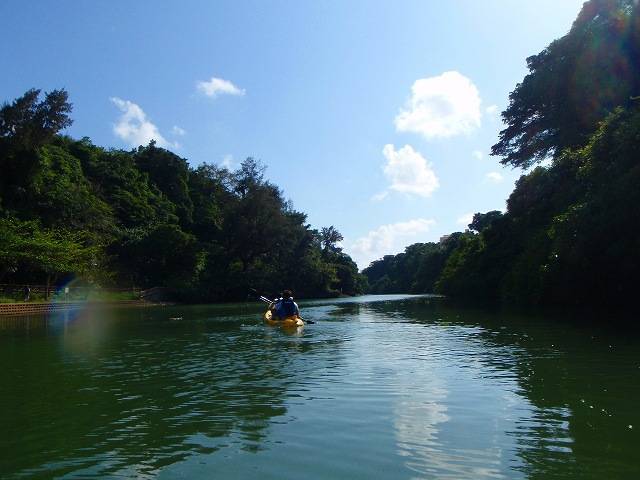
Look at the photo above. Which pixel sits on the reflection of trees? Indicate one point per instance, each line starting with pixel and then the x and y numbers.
pixel 582 382
pixel 112 393
pixel 128 396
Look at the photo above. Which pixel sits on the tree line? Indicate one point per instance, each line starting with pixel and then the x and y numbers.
pixel 570 233
pixel 147 218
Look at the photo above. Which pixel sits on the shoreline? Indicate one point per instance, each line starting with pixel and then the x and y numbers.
pixel 31 308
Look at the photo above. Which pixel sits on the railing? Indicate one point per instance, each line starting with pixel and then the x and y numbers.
pixel 33 292
pixel 23 299
pixel 156 294
pixel 33 308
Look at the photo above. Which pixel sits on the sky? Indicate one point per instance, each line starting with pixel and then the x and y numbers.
pixel 376 117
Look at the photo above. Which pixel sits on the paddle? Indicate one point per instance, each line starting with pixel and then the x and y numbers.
pixel 266 300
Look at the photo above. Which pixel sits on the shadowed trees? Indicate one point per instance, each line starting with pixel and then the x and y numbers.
pixel 146 218
pixel 569 234
pixel 573 84
pixel 29 123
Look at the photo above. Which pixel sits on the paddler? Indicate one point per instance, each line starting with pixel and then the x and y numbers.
pixel 285 306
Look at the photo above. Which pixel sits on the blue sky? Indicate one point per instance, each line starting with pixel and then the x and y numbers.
pixel 375 117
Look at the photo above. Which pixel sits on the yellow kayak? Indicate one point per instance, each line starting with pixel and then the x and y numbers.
pixel 288 322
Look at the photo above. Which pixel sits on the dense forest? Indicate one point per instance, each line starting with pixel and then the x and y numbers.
pixel 146 218
pixel 570 233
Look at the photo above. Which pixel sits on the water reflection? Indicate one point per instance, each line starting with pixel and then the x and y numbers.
pixel 567 389
pixel 379 386
pixel 112 396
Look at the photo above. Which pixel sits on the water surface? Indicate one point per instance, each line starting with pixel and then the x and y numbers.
pixel 379 387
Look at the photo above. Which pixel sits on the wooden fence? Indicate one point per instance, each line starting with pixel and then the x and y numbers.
pixel 68 293
pixel 45 307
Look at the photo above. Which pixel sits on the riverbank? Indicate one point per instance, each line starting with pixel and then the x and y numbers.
pixel 31 308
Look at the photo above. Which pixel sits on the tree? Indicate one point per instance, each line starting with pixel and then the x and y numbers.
pixel 29 251
pixel 145 217
pixel 116 180
pixel 330 236
pixel 249 176
pixel 59 194
pixel 573 84
pixel 482 221
pixel 170 174
pixel 594 244
pixel 255 221
pixel 161 256
pixel 30 123
pixel 208 193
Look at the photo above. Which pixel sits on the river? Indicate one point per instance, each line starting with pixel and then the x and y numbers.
pixel 393 387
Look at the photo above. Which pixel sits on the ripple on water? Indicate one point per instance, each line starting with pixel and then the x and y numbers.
pixel 389 389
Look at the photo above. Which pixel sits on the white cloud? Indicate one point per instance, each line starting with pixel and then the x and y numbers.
pixel 441 107
pixel 388 239
pixel 219 86
pixel 378 197
pixel 495 177
pixel 408 171
pixel 134 128
pixel 465 219
pixel 492 111
pixel 176 130
pixel 228 162
pixel 477 154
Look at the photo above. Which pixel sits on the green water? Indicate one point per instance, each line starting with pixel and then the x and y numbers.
pixel 380 387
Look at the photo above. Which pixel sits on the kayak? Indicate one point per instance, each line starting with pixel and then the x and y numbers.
pixel 288 322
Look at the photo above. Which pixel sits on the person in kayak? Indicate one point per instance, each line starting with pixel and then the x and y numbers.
pixel 286 307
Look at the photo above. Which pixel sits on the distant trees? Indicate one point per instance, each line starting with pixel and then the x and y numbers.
pixel 416 270
pixel 147 218
pixel 569 235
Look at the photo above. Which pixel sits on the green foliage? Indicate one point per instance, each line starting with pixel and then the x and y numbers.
pixel 170 174
pixel 377 276
pixel 594 245
pixel 463 270
pixel 573 84
pixel 62 195
pixel 146 218
pixel 482 221
pixel 28 124
pixel 329 237
pixel 416 270
pixel 163 256
pixel 572 234
pixel 568 237
pixel 25 247
pixel 206 186
pixel 117 181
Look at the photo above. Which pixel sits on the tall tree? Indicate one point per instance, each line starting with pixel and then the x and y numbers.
pixel 481 221
pixel 573 84
pixel 330 236
pixel 170 174
pixel 29 123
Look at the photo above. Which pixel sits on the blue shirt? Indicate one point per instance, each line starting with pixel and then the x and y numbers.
pixel 287 308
